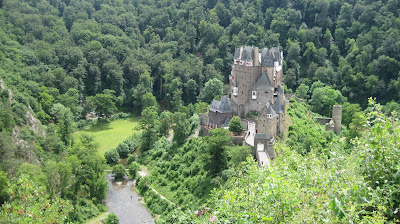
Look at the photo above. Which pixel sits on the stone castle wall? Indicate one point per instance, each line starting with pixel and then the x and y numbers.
pixel 337 118
pixel 246 77
pixel 215 119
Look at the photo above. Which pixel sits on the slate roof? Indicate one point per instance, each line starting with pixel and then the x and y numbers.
pixel 237 53
pixel 279 107
pixel 269 56
pixel 236 82
pixel 221 106
pixel 263 83
pixel 266 58
pixel 247 54
pixel 270 110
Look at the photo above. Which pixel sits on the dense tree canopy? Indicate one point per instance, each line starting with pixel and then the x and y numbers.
pixel 62 59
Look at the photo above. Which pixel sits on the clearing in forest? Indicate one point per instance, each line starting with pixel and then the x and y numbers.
pixel 109 134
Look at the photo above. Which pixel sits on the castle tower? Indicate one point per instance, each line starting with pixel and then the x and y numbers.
pixel 279 108
pixel 337 118
pixel 268 121
pixel 254 72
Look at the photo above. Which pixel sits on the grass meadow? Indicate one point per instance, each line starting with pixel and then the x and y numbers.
pixel 109 134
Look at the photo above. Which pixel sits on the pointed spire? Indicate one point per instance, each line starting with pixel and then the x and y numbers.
pixel 263 83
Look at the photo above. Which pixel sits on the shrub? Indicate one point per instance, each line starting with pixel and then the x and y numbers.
pixel 119 171
pixel 235 125
pixel 112 157
pixel 84 210
pixel 194 122
pixel 132 158
pixel 120 115
pixel 141 185
pixel 111 219
pixel 123 150
pixel 133 169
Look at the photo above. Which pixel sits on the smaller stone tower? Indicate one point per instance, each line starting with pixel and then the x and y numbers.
pixel 337 118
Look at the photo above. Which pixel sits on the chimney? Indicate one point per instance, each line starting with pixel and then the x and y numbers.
pixel 256 59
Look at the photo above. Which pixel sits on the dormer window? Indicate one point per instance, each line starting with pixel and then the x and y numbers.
pixel 241 62
pixel 254 95
pixel 236 61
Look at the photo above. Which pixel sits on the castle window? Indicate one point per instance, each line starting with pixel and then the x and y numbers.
pixel 235 91
pixel 253 95
pixel 269 115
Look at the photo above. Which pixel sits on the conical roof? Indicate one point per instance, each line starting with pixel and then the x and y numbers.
pixel 270 110
pixel 263 83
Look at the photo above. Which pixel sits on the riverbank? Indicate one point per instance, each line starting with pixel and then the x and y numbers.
pixel 123 200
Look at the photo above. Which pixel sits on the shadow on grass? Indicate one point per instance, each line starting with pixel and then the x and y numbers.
pixel 104 125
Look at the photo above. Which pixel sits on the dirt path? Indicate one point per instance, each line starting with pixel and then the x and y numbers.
pixel 144 173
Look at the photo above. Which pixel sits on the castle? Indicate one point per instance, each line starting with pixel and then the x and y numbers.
pixel 335 123
pixel 256 88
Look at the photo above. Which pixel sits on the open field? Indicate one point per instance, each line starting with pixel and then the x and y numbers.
pixel 109 134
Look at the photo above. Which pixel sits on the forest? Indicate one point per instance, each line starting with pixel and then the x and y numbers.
pixel 164 61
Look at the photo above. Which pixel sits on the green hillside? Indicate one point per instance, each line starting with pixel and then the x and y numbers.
pixel 166 60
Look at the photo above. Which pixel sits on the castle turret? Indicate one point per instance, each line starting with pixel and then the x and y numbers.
pixel 337 118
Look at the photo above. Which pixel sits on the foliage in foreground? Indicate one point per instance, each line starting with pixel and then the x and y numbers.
pixel 305 134
pixel 337 186
pixel 30 204
pixel 379 159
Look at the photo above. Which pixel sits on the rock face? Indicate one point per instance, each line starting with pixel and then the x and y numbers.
pixel 32 122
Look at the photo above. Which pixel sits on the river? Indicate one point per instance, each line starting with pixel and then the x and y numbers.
pixel 123 200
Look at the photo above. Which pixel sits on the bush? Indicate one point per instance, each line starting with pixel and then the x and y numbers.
pixel 133 169
pixel 131 145
pixel 120 115
pixel 111 219
pixel 81 124
pixel 112 157
pixel 235 125
pixel 141 185
pixel 194 122
pixel 132 158
pixel 84 210
pixel 123 150
pixel 119 171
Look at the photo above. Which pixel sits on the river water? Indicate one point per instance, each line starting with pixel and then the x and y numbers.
pixel 123 200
